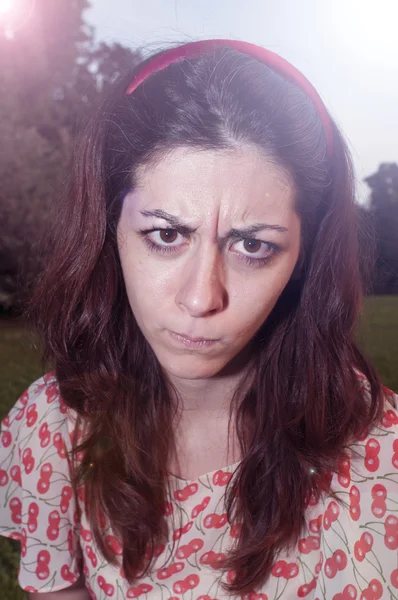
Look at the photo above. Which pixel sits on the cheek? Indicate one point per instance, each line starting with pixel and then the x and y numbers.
pixel 145 284
pixel 252 302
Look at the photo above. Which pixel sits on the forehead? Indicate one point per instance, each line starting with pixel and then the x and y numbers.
pixel 204 183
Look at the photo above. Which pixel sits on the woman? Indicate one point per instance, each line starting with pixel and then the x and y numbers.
pixel 210 428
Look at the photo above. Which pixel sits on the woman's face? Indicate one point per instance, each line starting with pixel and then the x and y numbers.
pixel 207 241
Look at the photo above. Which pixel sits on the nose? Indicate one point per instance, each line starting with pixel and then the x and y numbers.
pixel 202 291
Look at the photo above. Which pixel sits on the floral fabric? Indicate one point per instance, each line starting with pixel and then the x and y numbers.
pixel 345 552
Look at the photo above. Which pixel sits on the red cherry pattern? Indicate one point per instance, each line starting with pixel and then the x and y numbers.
pixel 372 449
pixel 140 590
pixel 349 593
pixel 33 511
pixel 28 461
pixel 213 559
pixel 394 578
pixel 189 583
pixel 373 591
pixel 43 561
pixel 394 459
pixel 59 445
pixel 168 509
pixel 44 435
pixel 316 524
pixel 113 544
pixel 86 534
pixel 46 511
pixel 355 500
pixel 15 473
pixel 91 556
pixel 188 549
pixel 186 492
pixel 389 419
pixel 170 570
pixel 306 588
pixel 3 478
pixel 43 484
pixel 31 415
pixel 67 574
pixel 15 505
pixel 306 545
pixel 213 520
pixel 336 562
pixel 391 532
pixel 54 519
pixel 284 569
pixel 107 588
pixel 6 438
pixel 51 393
pixel 319 564
pixel 23 542
pixel 344 470
pixel 200 507
pixel 379 494
pixel 221 478
pixel 331 514
pixel 181 530
pixel 235 530
pixel 66 497
pixel 363 545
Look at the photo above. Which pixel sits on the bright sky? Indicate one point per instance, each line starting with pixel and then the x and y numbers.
pixel 348 49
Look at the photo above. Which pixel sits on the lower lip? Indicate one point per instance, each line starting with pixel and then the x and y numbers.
pixel 192 343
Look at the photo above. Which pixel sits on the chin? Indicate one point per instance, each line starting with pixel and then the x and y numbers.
pixel 191 367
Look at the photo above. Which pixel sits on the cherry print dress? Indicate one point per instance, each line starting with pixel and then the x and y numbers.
pixel 346 551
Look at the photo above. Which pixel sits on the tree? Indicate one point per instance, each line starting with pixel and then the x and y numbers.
pixel 384 212
pixel 52 76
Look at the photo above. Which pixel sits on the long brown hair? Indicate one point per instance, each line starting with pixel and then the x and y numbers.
pixel 302 401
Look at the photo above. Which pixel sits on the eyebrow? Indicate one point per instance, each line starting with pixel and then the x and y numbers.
pixel 185 229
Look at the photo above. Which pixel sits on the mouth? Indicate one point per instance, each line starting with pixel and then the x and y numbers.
pixel 186 340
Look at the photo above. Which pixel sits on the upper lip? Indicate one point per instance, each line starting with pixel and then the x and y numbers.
pixel 194 339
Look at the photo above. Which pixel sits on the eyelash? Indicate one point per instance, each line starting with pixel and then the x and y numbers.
pixel 257 262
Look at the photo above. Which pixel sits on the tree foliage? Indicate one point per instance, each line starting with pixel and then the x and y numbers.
pixel 383 211
pixel 52 76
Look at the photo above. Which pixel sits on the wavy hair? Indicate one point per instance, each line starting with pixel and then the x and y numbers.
pixel 302 401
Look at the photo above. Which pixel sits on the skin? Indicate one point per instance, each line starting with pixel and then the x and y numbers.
pixel 77 591
pixel 206 288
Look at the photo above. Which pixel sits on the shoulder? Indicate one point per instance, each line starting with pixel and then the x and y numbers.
pixel 370 462
pixel 360 518
pixel 375 454
pixel 37 503
pixel 38 412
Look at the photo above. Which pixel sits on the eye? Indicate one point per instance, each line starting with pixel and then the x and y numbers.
pixel 254 248
pixel 165 237
pixel 163 240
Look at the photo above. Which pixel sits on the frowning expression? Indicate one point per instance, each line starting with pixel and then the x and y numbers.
pixel 207 241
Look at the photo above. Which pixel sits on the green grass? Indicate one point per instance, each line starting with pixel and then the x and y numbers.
pixel 20 366
pixel 378 337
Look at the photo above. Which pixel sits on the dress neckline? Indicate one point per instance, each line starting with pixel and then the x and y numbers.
pixel 228 468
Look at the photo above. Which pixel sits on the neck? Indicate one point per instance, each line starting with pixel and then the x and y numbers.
pixel 212 395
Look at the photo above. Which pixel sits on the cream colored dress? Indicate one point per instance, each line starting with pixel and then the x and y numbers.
pixel 344 553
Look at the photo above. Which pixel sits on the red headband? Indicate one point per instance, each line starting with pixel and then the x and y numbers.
pixel 272 60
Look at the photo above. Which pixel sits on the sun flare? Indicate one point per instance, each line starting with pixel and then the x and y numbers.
pixel 5 6
pixel 367 28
